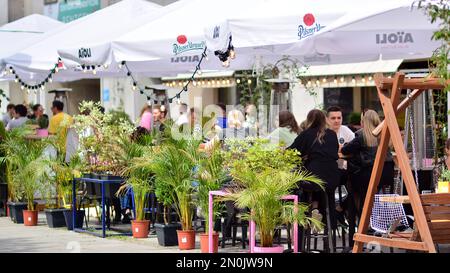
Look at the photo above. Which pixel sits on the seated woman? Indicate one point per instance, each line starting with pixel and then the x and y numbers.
pixel 287 130
pixel 362 151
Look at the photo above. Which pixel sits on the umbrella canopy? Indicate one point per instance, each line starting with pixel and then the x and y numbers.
pixel 173 42
pixel 102 25
pixel 326 32
pixel 22 33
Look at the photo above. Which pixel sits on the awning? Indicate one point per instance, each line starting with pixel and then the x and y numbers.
pixel 387 66
pixel 204 75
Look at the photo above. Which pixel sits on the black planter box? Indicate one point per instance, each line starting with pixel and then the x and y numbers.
pixel 16 211
pixel 55 217
pixel 167 234
pixel 79 218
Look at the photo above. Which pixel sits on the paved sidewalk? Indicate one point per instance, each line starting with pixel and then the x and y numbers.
pixel 41 238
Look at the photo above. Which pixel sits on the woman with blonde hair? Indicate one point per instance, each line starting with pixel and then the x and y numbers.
pixel 362 151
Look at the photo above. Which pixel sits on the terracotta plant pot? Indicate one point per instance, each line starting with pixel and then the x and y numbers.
pixel 204 246
pixel 30 217
pixel 186 239
pixel 140 228
pixel 273 249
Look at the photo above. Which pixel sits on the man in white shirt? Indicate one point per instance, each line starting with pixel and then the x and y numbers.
pixel 183 118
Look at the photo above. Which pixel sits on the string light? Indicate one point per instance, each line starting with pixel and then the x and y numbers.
pixel 249 81
pixel 324 80
pixel 370 78
pixel 342 79
pixel 335 80
pixel 353 80
pixel 238 81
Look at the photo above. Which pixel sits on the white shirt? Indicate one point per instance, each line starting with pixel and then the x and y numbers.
pixel 6 119
pixel 182 119
pixel 345 135
pixel 14 123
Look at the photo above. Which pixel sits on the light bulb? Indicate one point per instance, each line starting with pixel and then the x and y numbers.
pixel 84 70
pixel 238 81
pixel 213 82
pixel 309 82
pixel 324 80
pixel 178 101
pixel 342 79
pixel 194 83
pixel 370 78
pixel 228 81
pixel 120 66
pixel 56 69
pixel 199 72
pixel 22 87
pixel 353 80
pixel 43 87
pixel 50 80
pixel 209 83
pixel 317 82
pixel 363 79
pixel 16 80
pixel 94 72
pixel 134 87
pixel 335 80
pixel 223 82
pixel 249 81
pixel 226 63
pixel 105 66
pixel 232 54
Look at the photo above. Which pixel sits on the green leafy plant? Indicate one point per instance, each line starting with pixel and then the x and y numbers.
pixel 263 173
pixel 139 174
pixel 211 176
pixel 262 193
pixel 14 150
pixel 445 175
pixel 101 138
pixel 173 165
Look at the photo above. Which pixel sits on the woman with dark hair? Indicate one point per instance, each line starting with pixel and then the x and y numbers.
pixel 287 129
pixel 319 147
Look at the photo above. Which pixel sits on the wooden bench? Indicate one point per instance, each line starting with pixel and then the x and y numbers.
pixel 437 212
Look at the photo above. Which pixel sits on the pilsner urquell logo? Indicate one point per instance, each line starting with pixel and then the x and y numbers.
pixel 310 27
pixel 184 45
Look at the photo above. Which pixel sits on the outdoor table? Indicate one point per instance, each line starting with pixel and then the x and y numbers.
pixel 252 223
pixel 103 183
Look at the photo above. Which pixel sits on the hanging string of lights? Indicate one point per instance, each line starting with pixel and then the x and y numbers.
pixel 136 85
pixel 40 85
pixel 191 79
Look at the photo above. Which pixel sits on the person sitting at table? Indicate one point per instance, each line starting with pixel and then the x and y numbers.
pixel 362 151
pixel 20 117
pixel 287 130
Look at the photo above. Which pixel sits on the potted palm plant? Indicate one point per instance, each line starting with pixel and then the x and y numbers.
pixel 140 180
pixel 262 175
pixel 14 150
pixel 31 174
pixel 173 166
pixel 211 176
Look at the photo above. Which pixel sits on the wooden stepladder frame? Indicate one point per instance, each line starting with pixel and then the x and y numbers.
pixel 390 130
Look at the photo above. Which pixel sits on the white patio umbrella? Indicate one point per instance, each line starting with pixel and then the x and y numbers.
pixel 173 42
pixel 102 25
pixel 359 31
pixel 22 33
